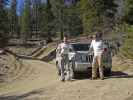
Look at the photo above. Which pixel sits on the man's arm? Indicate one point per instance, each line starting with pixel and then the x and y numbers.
pixel 58 48
pixel 1 50
pixel 91 47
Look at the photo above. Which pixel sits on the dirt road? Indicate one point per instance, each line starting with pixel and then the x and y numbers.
pixel 41 83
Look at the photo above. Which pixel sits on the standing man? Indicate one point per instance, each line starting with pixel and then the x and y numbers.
pixel 98 48
pixel 63 50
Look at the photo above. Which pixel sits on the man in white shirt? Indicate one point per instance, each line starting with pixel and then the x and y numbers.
pixel 98 48
pixel 63 50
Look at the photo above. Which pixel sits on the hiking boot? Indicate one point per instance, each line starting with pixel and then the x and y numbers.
pixel 93 78
pixel 102 78
pixel 62 79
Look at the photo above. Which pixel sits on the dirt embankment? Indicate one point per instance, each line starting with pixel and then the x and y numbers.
pixel 9 67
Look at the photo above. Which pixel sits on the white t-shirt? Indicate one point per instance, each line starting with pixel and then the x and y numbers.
pixel 97 46
pixel 64 48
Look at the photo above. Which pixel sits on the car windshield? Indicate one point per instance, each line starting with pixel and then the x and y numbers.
pixel 80 47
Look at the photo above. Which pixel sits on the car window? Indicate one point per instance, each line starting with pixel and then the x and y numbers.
pixel 80 47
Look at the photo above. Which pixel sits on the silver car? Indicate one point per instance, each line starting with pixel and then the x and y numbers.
pixel 81 59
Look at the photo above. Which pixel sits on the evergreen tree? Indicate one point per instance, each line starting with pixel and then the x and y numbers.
pixel 3 18
pixel 72 21
pixel 3 24
pixel 58 11
pixel 129 11
pixel 127 48
pixel 35 17
pixel 14 26
pixel 97 14
pixel 47 20
pixel 25 21
pixel 67 18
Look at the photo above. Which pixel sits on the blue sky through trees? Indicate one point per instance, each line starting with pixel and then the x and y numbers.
pixel 20 4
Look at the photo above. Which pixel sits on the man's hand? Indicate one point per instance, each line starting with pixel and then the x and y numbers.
pixel 1 51
pixel 61 54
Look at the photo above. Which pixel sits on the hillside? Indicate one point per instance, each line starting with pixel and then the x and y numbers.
pixel 127 47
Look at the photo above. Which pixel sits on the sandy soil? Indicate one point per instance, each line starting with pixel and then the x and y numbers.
pixel 40 82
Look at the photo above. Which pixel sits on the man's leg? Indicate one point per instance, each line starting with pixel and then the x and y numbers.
pixel 101 70
pixel 94 68
pixel 68 73
pixel 71 70
pixel 62 78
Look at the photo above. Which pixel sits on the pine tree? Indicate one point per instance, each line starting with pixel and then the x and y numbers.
pixel 129 11
pixel 3 24
pixel 14 26
pixel 72 21
pixel 58 11
pixel 47 20
pixel 68 21
pixel 127 47
pixel 25 21
pixel 3 18
pixel 35 17
pixel 97 15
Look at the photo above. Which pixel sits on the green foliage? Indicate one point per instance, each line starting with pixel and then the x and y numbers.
pixel 3 24
pixel 97 14
pixel 129 11
pixel 25 20
pixel 72 21
pixel 13 19
pixel 3 18
pixel 57 9
pixel 3 21
pixel 46 21
pixel 67 18
pixel 47 18
pixel 127 48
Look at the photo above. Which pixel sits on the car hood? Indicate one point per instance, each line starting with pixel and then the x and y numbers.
pixel 85 52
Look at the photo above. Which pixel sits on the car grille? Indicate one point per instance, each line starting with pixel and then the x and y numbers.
pixel 84 58
pixel 90 58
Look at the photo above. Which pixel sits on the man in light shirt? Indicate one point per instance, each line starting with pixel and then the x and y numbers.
pixel 63 49
pixel 98 48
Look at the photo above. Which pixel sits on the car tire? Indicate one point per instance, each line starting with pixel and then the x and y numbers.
pixel 107 71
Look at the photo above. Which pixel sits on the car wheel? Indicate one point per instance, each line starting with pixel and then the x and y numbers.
pixel 107 71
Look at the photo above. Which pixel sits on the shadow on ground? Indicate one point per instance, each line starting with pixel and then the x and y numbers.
pixel 114 74
pixel 82 76
pixel 120 74
pixel 22 96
